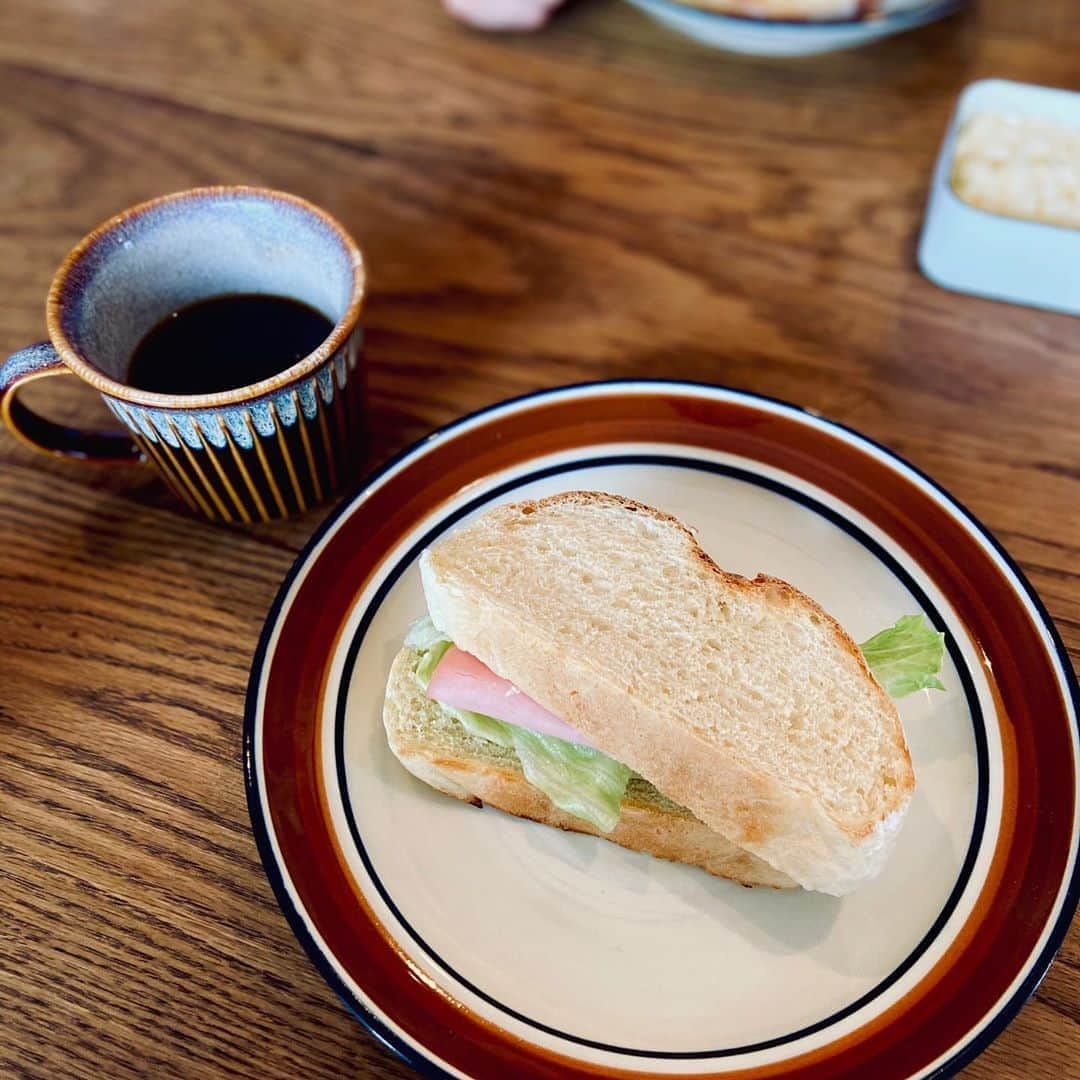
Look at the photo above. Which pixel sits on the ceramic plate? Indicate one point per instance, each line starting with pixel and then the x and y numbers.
pixel 476 944
pixel 775 37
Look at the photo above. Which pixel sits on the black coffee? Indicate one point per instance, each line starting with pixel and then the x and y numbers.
pixel 226 342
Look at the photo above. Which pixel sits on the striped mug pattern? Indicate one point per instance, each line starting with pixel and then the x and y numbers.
pixel 251 454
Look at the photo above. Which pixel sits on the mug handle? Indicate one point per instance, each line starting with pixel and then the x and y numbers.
pixel 37 362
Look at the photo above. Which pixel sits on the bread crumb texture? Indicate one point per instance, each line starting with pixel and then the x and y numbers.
pixel 749 701
pixel 1019 166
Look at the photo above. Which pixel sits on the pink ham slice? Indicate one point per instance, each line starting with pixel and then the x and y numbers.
pixel 463 682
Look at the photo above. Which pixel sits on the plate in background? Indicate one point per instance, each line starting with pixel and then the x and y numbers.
pixel 475 944
pixel 775 37
pixel 969 250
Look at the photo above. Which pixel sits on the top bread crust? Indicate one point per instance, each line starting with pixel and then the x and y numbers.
pixel 804 800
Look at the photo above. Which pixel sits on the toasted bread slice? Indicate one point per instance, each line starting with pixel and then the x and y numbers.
pixel 434 746
pixel 741 699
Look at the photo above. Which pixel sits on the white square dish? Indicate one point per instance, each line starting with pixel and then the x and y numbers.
pixel 1002 258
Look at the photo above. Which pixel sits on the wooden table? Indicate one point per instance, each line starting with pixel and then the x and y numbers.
pixel 601 199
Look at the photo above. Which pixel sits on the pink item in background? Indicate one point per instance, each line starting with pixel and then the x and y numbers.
pixel 502 14
pixel 463 682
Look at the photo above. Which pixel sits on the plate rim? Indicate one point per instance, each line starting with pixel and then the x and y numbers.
pixel 889 18
pixel 413 1056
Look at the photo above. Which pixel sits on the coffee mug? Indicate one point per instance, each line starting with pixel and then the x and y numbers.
pixel 267 450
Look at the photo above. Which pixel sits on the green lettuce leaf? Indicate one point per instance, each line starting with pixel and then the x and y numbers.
pixel 907 656
pixel 430 661
pixel 483 727
pixel 431 642
pixel 582 781
pixel 578 779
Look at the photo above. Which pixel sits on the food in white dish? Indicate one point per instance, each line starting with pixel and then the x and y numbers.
pixel 1020 166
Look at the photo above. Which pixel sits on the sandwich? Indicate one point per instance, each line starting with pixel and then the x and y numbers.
pixel 585 664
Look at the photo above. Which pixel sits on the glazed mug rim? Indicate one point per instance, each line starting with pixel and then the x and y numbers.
pixel 90 373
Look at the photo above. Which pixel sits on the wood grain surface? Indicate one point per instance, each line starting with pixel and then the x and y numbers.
pixel 599 199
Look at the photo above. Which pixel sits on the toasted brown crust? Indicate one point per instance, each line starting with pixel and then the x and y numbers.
pixel 674 836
